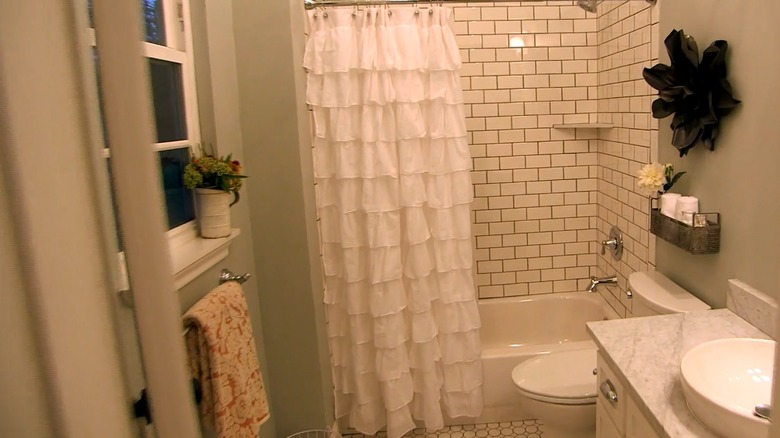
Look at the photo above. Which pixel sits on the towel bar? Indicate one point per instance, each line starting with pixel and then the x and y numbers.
pixel 126 295
pixel 226 276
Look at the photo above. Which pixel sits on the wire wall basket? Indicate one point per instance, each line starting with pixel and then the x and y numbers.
pixel 700 236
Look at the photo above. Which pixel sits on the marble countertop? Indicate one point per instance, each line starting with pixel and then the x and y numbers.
pixel 648 352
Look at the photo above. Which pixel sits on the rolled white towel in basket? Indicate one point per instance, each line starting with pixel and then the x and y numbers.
pixel 687 206
pixel 668 204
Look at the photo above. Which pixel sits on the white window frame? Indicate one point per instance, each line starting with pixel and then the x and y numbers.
pixel 178 49
pixel 190 254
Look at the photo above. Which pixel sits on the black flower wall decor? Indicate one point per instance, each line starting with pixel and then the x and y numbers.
pixel 696 92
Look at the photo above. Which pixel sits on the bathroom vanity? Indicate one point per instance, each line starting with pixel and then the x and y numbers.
pixel 639 389
pixel 617 410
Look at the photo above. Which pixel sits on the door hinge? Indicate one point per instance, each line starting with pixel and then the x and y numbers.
pixel 142 408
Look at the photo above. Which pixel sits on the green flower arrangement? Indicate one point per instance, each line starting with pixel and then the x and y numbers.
pixel 216 173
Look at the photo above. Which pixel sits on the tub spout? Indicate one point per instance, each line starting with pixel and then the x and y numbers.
pixel 595 282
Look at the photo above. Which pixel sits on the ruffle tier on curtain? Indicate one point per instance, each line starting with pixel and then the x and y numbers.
pixel 392 168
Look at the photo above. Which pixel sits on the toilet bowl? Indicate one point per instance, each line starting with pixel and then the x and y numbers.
pixel 560 388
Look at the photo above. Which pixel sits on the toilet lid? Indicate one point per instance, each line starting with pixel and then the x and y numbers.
pixel 565 377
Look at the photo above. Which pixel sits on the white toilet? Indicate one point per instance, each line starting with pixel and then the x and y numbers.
pixel 560 388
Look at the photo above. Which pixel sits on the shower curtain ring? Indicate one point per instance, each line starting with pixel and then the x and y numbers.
pixel 355 11
pixel 416 9
pixel 324 12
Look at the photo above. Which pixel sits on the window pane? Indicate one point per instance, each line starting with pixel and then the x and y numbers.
pixel 168 100
pixel 91 14
pixel 178 199
pixel 155 21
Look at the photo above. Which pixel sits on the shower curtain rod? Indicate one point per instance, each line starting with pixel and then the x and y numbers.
pixel 311 4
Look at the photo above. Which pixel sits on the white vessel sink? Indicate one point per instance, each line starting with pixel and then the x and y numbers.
pixel 724 380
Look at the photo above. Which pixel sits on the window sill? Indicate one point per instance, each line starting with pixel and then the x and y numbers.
pixel 192 257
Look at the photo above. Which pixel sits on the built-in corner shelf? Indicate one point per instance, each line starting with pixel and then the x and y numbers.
pixel 583 126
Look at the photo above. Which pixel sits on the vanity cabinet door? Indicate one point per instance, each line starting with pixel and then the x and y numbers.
pixel 605 428
pixel 637 425
pixel 610 394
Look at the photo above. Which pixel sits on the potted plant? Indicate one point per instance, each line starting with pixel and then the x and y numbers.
pixel 214 179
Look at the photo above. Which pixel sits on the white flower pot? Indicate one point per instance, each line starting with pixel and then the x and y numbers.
pixel 212 210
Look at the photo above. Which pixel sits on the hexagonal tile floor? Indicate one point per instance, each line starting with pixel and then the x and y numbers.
pixel 515 429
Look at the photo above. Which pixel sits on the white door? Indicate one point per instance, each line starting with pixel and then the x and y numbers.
pixel 64 374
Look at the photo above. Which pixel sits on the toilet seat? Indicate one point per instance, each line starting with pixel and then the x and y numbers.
pixel 564 378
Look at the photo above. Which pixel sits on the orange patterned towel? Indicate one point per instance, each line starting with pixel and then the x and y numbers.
pixel 223 359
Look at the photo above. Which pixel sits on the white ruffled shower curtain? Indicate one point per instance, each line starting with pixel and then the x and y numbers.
pixel 392 168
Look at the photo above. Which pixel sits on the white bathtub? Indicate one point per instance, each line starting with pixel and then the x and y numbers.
pixel 517 329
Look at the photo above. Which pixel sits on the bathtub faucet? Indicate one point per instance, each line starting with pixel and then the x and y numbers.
pixel 595 282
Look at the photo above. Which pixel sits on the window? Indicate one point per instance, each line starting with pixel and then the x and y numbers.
pixel 167 47
pixel 168 50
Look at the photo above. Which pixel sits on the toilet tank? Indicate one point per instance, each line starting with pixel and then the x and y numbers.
pixel 655 294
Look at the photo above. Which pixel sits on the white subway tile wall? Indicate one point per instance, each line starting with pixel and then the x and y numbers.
pixel 527 66
pixel 628 41
pixel 545 196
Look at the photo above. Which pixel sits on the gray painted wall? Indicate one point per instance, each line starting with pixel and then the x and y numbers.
pixel 221 126
pixel 740 178
pixel 282 218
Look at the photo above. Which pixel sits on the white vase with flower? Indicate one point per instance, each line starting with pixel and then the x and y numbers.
pixel 214 180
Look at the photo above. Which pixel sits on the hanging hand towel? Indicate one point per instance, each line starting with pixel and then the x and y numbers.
pixel 223 359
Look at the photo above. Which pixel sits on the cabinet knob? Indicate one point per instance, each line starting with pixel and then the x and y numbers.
pixel 608 391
